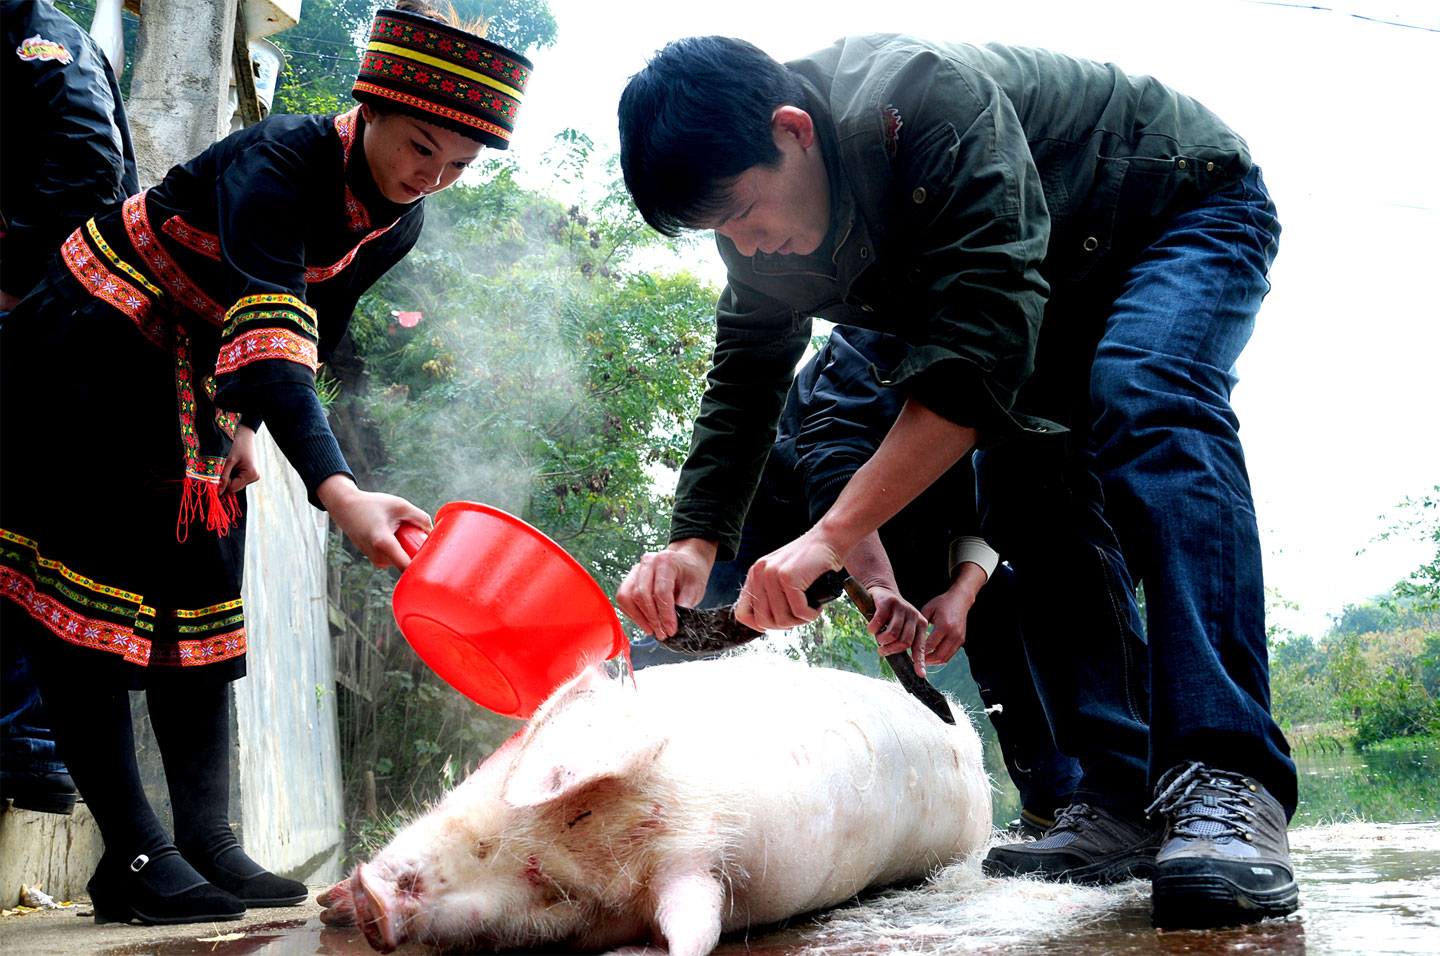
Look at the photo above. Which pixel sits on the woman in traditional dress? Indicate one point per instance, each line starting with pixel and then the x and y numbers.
pixel 134 378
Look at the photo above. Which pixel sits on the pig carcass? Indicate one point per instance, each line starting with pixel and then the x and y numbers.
pixel 707 797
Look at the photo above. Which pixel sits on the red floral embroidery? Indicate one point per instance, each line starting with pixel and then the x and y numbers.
pixel 87 269
pixel 196 240
pixel 209 650
pixel 356 214
pixel 69 624
pixel 320 274
pixel 263 344
pixel 433 107
pixel 166 272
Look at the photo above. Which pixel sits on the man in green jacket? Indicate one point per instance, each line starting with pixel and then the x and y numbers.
pixel 1077 257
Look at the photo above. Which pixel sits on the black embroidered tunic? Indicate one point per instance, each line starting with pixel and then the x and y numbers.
pixel 208 299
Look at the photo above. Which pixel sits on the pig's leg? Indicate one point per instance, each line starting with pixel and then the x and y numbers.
pixel 688 904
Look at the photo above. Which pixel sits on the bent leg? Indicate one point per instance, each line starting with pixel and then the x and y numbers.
pixel 994 649
pixel 1039 507
pixel 1176 487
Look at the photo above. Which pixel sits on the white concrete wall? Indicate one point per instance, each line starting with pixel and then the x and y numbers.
pixel 290 802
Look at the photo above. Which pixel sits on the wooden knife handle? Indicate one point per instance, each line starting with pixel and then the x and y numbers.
pixel 861 596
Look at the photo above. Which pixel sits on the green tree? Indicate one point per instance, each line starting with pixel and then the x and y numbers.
pixel 1420 518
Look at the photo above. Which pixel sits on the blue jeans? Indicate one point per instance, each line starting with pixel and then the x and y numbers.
pixel 1152 470
pixel 25 740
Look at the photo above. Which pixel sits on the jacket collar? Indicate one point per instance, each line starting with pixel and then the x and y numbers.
pixel 365 207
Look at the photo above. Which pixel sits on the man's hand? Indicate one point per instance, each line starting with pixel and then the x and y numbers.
pixel 774 592
pixel 241 465
pixel 8 302
pixel 664 579
pixel 370 519
pixel 948 612
pixel 898 626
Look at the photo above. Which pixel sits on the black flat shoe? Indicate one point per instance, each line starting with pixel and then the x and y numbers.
pixel 159 889
pixel 236 873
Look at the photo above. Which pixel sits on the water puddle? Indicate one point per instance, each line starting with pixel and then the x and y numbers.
pixel 1365 889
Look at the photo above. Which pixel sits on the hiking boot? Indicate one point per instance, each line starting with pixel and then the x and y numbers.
pixel 1028 827
pixel 1086 845
pixel 1225 858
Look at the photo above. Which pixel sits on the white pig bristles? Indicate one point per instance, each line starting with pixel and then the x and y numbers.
pixel 960 908
pixel 707 797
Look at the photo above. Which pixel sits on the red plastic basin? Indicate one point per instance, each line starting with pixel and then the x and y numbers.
pixel 500 611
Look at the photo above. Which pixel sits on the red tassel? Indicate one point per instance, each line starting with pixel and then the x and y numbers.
pixel 203 499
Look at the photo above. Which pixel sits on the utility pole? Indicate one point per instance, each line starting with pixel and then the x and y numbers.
pixel 180 81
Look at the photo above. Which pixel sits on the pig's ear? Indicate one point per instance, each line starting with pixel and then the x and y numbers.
pixel 592 730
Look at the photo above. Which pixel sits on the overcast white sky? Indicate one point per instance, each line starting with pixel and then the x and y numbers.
pixel 1338 391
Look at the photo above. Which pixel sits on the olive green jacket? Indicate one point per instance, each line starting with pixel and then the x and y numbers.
pixel 966 182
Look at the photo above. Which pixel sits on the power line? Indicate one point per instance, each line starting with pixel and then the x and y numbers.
pixel 1344 13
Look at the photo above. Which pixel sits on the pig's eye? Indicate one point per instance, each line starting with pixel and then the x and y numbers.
pixel 482 849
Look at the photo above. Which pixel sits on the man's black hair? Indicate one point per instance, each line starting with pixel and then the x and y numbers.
pixel 694 118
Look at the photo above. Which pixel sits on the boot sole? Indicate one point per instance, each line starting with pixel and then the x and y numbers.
pixel 1133 866
pixel 58 803
pixel 1193 902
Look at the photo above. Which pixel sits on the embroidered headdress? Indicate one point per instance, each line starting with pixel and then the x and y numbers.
pixel 443 75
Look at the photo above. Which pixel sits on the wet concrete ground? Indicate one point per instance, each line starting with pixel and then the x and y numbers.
pixel 1365 889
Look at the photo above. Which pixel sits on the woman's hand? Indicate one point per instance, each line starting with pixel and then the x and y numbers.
pixel 370 519
pixel 664 579
pixel 774 592
pixel 242 466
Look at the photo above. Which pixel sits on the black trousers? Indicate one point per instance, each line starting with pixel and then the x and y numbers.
pixel 94 733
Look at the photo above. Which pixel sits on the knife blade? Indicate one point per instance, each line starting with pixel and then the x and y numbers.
pixel 711 630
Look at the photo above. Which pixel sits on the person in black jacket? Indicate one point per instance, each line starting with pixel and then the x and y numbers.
pixel 134 377
pixel 67 144
pixel 67 155
pixel 937 585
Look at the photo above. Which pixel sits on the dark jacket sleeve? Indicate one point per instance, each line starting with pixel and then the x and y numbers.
pixel 271 338
pixel 758 343
pixel 841 413
pixel 966 210
pixel 67 145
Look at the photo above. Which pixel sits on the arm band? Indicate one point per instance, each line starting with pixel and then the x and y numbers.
pixel 976 551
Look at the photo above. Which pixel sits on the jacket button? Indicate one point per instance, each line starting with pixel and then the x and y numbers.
pixel 919 194
pixel 867 308
pixel 1091 244
pixel 1181 164
pixel 1209 167
pixel 864 252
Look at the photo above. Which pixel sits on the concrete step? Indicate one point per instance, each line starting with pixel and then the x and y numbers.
pixel 54 852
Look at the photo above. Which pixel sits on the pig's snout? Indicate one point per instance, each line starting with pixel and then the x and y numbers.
pixel 382 908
